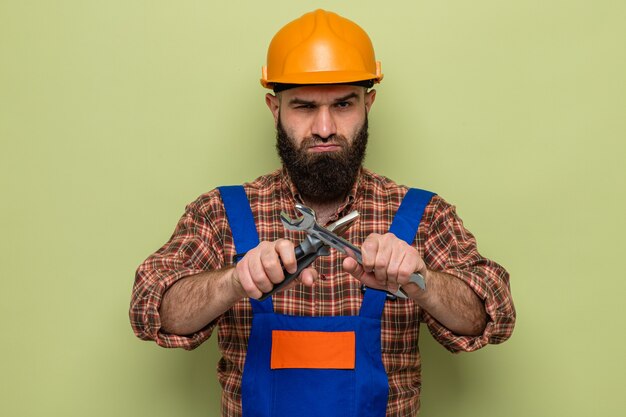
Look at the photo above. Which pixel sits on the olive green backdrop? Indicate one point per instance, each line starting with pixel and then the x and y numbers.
pixel 114 115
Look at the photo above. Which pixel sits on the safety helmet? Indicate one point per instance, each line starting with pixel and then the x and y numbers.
pixel 320 47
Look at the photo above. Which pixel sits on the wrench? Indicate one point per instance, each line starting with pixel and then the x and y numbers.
pixel 308 224
pixel 311 248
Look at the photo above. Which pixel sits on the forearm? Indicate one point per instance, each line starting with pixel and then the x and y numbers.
pixel 452 303
pixel 195 301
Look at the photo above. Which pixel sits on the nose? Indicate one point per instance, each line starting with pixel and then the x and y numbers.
pixel 324 124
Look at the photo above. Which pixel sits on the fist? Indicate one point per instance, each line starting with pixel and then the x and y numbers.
pixel 262 268
pixel 388 263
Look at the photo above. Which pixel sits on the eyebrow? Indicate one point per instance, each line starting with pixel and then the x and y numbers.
pixel 299 101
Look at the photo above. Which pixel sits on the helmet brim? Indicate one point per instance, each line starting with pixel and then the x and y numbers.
pixel 322 77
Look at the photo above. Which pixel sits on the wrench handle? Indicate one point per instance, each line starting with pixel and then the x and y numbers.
pixel 303 261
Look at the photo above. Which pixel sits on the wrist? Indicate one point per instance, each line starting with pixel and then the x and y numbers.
pixel 234 284
pixel 418 294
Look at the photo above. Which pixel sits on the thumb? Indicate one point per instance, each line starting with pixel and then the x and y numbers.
pixel 352 267
pixel 308 276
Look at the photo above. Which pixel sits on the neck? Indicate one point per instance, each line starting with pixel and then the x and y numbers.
pixel 324 211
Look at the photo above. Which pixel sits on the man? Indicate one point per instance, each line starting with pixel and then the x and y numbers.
pixel 334 342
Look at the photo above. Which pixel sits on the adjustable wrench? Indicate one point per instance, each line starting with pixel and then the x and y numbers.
pixel 308 224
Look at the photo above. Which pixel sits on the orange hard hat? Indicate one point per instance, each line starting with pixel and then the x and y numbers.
pixel 320 47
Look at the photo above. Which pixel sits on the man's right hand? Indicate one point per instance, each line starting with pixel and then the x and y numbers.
pixel 260 269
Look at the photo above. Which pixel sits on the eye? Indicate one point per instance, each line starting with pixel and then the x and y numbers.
pixel 343 104
pixel 304 107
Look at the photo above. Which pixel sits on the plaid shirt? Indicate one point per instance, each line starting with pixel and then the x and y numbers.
pixel 202 241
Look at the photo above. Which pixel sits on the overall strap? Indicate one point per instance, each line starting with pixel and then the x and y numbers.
pixel 239 217
pixel 373 304
pixel 409 214
pixel 243 229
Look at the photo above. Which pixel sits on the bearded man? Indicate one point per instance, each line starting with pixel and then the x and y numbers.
pixel 342 338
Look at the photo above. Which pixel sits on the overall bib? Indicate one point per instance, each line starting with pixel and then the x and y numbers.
pixel 315 366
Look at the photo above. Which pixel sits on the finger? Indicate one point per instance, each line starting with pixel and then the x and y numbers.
pixel 352 267
pixel 356 270
pixel 420 265
pixel 245 279
pixel 383 256
pixel 409 265
pixel 369 249
pixel 411 289
pixel 287 255
pixel 272 267
pixel 257 272
pixel 394 266
pixel 308 276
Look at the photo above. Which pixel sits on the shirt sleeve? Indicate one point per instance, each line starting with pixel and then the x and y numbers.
pixel 193 248
pixel 451 248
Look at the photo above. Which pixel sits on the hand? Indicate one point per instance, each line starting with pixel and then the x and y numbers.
pixel 260 269
pixel 388 263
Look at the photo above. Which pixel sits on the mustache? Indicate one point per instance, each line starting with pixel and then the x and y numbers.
pixel 314 140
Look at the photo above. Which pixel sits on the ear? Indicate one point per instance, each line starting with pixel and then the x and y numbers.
pixel 370 96
pixel 273 103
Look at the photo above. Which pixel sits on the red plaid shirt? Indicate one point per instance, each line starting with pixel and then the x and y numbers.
pixel 202 241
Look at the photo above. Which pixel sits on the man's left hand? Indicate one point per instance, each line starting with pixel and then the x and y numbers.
pixel 388 263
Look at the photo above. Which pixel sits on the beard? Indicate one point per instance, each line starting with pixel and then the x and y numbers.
pixel 327 176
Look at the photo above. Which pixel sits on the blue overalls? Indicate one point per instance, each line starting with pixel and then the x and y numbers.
pixel 315 366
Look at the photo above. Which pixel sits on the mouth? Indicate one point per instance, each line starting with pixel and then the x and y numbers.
pixel 324 147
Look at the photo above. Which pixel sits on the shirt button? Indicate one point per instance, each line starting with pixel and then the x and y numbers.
pixel 323 277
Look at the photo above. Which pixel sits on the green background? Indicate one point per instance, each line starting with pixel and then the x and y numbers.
pixel 115 114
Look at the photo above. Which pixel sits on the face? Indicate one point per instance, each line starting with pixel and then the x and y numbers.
pixel 322 137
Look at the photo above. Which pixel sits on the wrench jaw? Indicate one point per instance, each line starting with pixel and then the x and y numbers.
pixel 289 223
pixel 306 211
pixel 299 223
pixel 311 243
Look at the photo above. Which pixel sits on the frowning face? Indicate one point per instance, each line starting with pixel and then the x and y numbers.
pixel 322 137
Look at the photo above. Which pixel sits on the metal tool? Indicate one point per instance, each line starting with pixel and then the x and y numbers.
pixel 308 224
pixel 311 247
